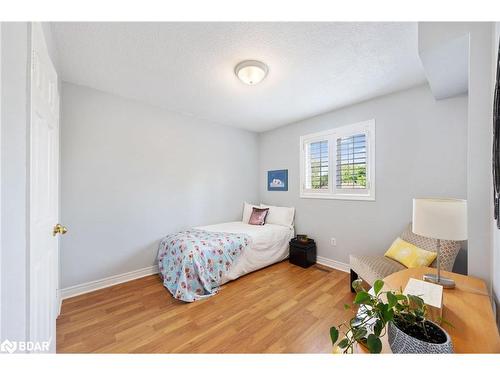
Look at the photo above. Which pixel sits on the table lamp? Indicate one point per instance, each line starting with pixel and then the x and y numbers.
pixel 441 219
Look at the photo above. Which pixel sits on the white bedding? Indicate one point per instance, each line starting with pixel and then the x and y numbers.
pixel 268 245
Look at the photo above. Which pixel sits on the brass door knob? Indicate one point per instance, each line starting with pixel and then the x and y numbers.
pixel 58 228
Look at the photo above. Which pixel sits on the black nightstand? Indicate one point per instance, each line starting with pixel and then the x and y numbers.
pixel 302 254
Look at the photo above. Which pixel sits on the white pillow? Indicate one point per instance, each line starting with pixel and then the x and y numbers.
pixel 247 212
pixel 279 215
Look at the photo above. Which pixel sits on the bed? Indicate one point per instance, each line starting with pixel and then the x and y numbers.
pixel 195 263
pixel 268 245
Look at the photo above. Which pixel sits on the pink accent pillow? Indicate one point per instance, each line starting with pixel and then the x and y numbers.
pixel 258 216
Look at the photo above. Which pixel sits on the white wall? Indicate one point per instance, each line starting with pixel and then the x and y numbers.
pixel 51 44
pixel 420 151
pixel 132 173
pixel 479 134
pixel 14 132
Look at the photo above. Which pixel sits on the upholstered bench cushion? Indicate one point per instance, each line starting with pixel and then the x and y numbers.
pixel 373 267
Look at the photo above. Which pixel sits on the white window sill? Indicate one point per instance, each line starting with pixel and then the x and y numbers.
pixel 337 196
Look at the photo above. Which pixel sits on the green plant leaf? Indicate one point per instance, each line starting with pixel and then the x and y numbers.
pixel 346 306
pixel 362 297
pixel 374 344
pixel 391 298
pixel 401 297
pixel 388 314
pixel 334 334
pixel 400 307
pixel 344 343
pixel 359 333
pixel 377 328
pixel 377 286
pixel 416 301
pixel 420 313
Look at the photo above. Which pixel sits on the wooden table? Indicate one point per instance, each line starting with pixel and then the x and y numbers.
pixel 467 307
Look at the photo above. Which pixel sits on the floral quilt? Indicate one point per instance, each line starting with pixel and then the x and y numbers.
pixel 193 262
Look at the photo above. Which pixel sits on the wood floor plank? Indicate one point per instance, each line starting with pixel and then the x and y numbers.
pixel 280 309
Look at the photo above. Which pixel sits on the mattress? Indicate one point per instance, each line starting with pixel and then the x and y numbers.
pixel 268 244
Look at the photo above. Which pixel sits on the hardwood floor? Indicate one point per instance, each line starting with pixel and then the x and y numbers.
pixel 280 309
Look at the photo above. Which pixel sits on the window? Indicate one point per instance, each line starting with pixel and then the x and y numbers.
pixel 339 163
pixel 317 161
pixel 351 162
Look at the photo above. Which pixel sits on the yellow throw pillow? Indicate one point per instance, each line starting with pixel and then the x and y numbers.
pixel 410 255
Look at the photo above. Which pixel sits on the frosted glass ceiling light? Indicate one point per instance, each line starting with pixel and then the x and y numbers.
pixel 251 72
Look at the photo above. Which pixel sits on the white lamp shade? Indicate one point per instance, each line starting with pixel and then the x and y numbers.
pixel 444 219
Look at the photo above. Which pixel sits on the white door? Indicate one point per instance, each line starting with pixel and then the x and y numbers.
pixel 44 196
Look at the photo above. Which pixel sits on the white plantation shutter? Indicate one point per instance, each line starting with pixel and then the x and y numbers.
pixel 351 162
pixel 339 163
pixel 317 165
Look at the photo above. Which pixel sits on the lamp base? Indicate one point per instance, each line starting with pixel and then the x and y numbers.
pixel 444 281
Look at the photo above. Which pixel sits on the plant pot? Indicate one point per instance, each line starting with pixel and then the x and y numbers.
pixel 401 342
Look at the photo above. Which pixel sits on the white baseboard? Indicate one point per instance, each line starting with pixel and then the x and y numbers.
pixel 344 267
pixel 59 301
pixel 76 290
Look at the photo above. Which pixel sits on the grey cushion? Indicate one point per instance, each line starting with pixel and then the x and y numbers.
pixel 373 267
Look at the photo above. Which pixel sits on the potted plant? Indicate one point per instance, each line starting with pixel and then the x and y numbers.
pixel 402 317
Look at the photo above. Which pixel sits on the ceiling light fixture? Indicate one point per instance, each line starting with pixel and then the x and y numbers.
pixel 251 72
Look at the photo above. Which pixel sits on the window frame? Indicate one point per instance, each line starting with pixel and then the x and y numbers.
pixel 331 135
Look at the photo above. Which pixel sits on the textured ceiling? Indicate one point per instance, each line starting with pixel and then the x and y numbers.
pixel 189 67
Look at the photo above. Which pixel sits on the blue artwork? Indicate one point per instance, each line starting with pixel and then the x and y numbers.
pixel 277 180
